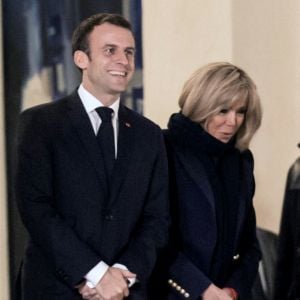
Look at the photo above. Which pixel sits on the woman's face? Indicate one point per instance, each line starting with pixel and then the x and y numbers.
pixel 225 124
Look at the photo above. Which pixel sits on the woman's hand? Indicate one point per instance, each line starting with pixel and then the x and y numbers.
pixel 215 293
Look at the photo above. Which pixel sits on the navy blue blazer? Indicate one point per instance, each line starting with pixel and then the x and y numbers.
pixel 74 217
pixel 194 231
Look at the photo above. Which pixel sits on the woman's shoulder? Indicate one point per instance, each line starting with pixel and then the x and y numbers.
pixel 247 159
pixel 247 155
pixel 167 136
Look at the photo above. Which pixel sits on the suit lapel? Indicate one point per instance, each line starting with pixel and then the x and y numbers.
pixel 125 146
pixel 82 124
pixel 197 172
pixel 195 169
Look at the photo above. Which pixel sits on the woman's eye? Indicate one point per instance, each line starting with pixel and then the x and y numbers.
pixel 223 111
pixel 241 111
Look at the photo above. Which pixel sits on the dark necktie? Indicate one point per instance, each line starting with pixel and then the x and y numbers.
pixel 105 137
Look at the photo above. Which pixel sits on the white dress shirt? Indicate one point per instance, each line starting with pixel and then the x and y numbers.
pixel 90 103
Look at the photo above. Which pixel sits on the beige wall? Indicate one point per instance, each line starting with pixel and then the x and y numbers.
pixel 263 37
pixel 179 36
pixel 268 45
pixel 3 216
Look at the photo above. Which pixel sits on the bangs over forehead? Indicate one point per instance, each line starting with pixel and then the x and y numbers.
pixel 227 86
pixel 233 95
pixel 219 87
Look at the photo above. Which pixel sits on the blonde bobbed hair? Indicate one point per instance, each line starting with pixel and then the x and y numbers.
pixel 216 85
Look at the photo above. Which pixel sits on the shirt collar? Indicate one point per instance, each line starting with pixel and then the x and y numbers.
pixel 90 102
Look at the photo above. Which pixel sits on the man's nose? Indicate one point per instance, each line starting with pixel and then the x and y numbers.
pixel 121 57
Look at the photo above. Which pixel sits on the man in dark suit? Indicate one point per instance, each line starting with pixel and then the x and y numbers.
pixel 96 219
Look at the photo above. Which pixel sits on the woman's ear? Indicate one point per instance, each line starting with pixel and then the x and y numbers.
pixel 81 59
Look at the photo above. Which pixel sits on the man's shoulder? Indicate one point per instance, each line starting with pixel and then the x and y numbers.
pixel 47 114
pixel 139 119
pixel 50 107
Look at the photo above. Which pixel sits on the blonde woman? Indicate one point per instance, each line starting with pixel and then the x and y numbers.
pixel 214 252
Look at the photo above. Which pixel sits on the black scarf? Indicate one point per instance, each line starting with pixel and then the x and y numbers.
pixel 222 164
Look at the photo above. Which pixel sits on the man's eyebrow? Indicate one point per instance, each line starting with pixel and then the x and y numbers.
pixel 116 46
pixel 110 45
pixel 131 48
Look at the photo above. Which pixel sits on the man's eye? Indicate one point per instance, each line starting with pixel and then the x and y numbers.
pixel 109 50
pixel 129 52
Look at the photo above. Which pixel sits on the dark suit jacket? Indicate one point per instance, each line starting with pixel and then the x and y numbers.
pixel 73 217
pixel 194 230
pixel 263 287
pixel 287 279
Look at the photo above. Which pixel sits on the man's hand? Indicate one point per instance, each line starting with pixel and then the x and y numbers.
pixel 113 285
pixel 215 293
pixel 87 292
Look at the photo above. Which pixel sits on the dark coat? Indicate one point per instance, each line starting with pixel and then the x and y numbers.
pixel 287 280
pixel 190 257
pixel 73 217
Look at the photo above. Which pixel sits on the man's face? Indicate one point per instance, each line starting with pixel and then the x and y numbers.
pixel 110 65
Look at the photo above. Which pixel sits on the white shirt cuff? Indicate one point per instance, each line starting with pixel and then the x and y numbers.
pixel 96 274
pixel 132 281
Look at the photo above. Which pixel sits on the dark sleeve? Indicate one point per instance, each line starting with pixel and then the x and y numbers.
pixel 68 256
pixel 176 270
pixel 189 278
pixel 181 270
pixel 286 244
pixel 246 268
pixel 152 231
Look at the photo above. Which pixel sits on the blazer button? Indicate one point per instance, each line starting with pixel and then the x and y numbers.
pixel 109 217
pixel 236 257
pixel 59 272
pixel 66 277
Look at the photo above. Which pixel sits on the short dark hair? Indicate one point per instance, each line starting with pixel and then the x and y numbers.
pixel 82 32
